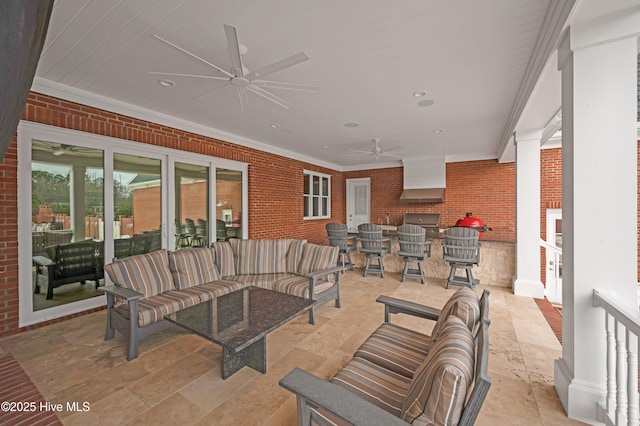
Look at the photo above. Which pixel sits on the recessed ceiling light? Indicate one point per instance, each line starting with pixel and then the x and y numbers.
pixel 352 124
pixel 449 149
pixel 438 131
pixel 166 83
pixel 426 103
pixel 325 147
pixel 275 126
pixel 419 94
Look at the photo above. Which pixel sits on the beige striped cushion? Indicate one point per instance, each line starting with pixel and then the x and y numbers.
pixel 396 348
pixel 224 258
pixel 192 267
pixel 260 256
pixel 299 286
pixel 294 256
pixel 465 305
pixel 148 273
pixel 217 288
pixel 260 280
pixel 439 387
pixel 316 257
pixel 153 309
pixel 373 383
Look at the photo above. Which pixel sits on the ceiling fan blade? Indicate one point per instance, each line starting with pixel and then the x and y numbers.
pixel 270 96
pixel 242 95
pixel 175 74
pixel 175 46
pixel 277 66
pixel 287 86
pixel 234 49
pixel 359 151
pixel 201 95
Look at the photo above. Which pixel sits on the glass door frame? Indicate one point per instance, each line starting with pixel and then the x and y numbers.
pixel 28 131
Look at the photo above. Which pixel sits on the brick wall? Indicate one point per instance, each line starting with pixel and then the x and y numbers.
pixel 275 182
pixel 484 188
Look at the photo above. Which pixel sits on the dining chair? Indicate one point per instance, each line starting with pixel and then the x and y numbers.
pixel 339 237
pixel 414 249
pixel 461 250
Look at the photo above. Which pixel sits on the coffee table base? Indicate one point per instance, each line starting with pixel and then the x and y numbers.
pixel 254 356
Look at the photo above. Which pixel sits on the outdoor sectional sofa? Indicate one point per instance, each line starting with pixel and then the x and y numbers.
pixel 400 376
pixel 150 286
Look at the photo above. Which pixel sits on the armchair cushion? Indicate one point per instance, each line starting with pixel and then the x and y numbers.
pixel 439 387
pixel 148 273
pixel 396 348
pixel 192 267
pixel 375 384
pixel 465 305
pixel 316 257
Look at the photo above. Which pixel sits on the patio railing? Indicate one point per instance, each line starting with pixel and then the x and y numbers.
pixel 622 330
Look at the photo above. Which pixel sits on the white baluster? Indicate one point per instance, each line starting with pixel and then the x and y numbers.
pixel 632 378
pixel 611 364
pixel 621 375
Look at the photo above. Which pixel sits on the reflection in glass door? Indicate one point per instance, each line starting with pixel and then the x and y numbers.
pixel 191 205
pixel 67 223
pixel 228 204
pixel 554 256
pixel 137 206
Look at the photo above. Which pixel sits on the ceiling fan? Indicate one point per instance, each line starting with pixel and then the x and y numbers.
pixel 242 78
pixel 376 151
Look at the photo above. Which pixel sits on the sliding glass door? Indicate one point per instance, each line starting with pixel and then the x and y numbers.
pixel 99 198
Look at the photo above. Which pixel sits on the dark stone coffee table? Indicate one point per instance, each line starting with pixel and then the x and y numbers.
pixel 239 322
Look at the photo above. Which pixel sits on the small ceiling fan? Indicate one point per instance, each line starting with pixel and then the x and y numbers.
pixel 242 78
pixel 376 151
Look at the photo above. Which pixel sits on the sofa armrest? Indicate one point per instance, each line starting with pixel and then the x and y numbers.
pixel 399 306
pixel 324 272
pixel 121 292
pixel 313 392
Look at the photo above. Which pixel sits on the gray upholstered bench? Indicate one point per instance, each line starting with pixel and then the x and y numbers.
pixel 399 376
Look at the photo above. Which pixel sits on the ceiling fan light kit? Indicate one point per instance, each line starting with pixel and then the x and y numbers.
pixel 239 76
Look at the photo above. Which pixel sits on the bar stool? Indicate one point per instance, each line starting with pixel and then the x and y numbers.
pixel 339 237
pixel 373 246
pixel 414 249
pixel 461 250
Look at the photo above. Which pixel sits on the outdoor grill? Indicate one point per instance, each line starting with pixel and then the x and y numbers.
pixel 429 221
pixel 469 221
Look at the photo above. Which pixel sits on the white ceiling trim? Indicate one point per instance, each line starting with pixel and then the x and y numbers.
pixel 548 37
pixel 72 94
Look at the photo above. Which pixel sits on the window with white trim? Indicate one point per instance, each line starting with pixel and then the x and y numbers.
pixel 317 195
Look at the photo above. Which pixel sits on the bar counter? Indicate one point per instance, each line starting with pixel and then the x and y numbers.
pixel 497 260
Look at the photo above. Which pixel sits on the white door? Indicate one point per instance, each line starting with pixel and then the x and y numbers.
pixel 554 256
pixel 358 202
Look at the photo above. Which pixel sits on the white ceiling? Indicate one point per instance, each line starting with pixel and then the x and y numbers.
pixel 367 57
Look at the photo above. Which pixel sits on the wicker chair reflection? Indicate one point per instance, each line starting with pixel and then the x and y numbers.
pixel 66 264
pixel 189 232
pixel 373 246
pixel 339 237
pixel 461 250
pixel 414 249
pixel 221 230
pixel 201 237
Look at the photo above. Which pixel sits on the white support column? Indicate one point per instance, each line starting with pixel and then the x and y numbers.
pixel 527 280
pixel 598 60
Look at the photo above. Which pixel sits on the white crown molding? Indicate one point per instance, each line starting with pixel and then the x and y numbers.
pixel 371 166
pixel 469 157
pixel 83 97
pixel 550 32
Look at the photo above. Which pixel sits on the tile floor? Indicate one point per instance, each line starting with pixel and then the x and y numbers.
pixel 176 379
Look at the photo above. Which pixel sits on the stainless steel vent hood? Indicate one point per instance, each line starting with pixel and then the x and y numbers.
pixel 424 180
